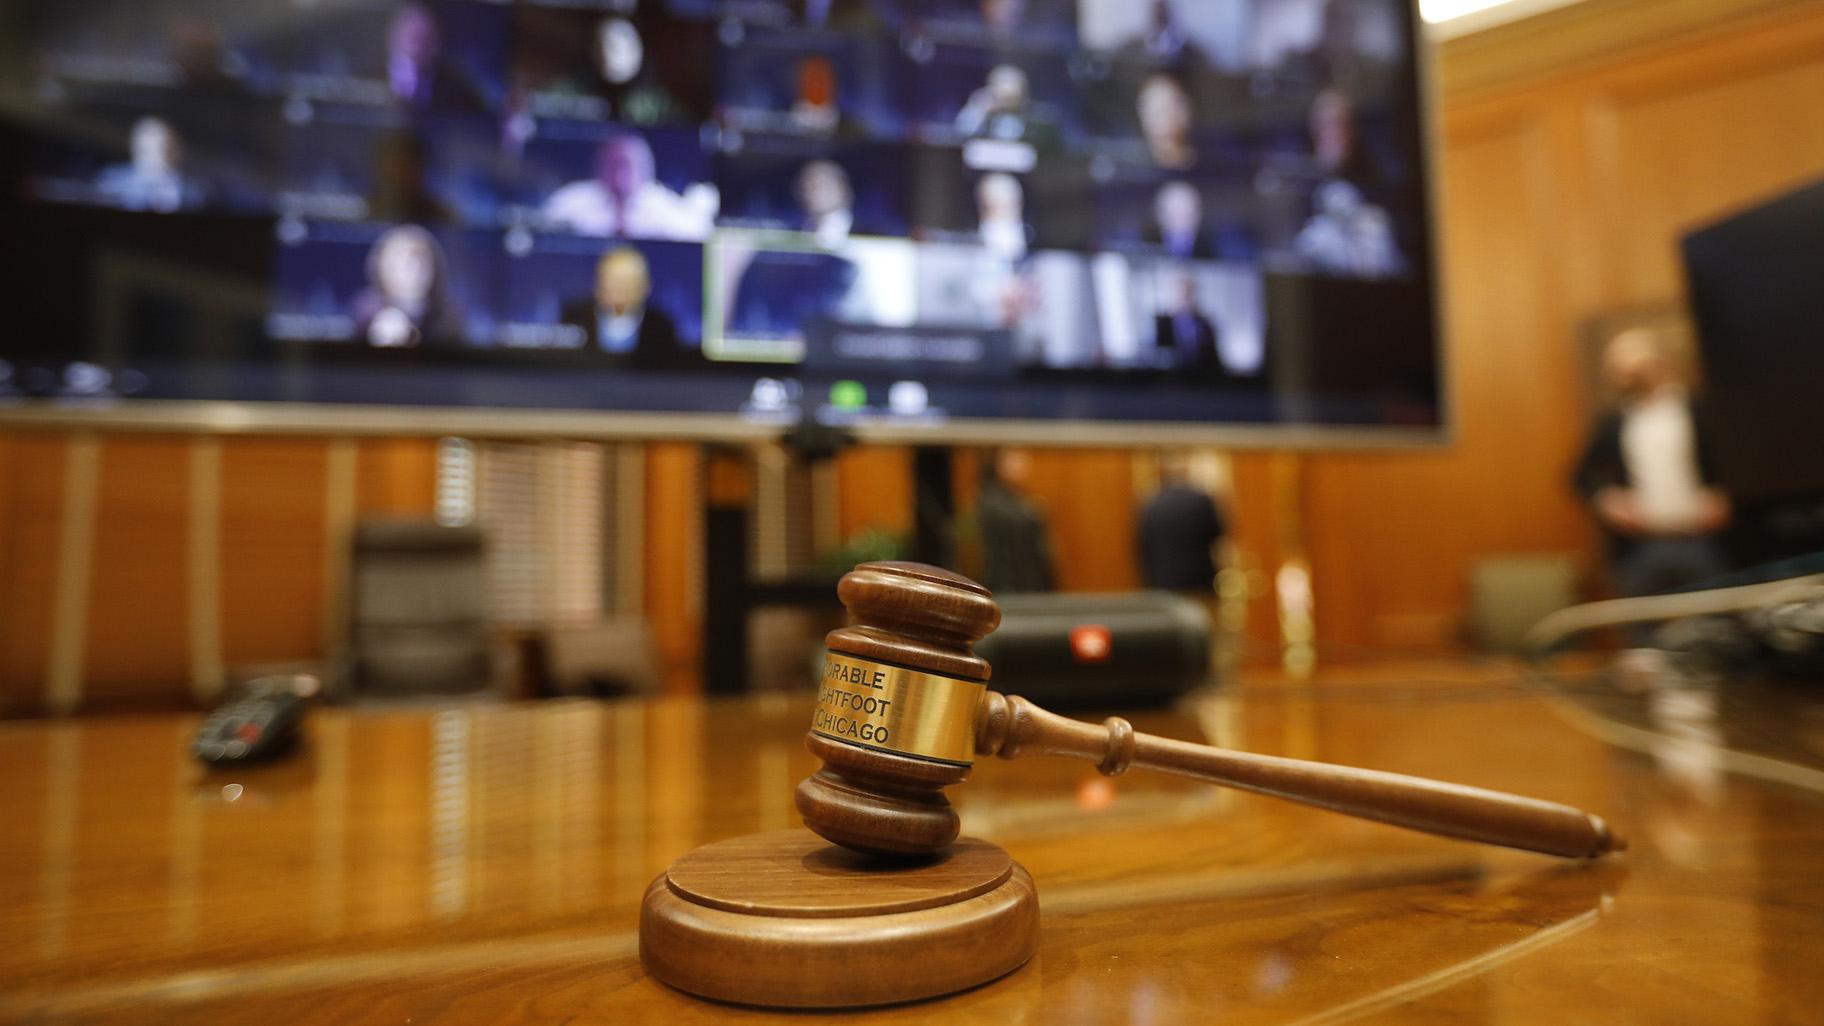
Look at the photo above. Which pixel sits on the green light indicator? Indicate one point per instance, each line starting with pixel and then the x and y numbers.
pixel 848 395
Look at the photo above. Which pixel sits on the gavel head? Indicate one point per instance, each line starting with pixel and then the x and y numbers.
pixel 896 708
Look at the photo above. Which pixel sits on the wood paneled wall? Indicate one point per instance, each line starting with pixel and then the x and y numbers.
pixel 133 568
pixel 1576 148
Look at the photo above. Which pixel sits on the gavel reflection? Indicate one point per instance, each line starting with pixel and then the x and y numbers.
pixel 903 708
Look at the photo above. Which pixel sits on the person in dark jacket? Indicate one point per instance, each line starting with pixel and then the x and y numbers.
pixel 1179 529
pixel 1016 544
pixel 619 325
pixel 1647 474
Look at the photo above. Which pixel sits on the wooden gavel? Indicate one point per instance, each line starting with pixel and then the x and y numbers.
pixel 903 708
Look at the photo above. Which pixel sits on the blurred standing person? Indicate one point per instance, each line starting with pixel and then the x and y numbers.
pixel 1178 531
pixel 1647 475
pixel 1016 544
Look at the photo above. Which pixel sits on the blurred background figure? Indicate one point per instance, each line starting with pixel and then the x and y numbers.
pixel 625 198
pixel 1001 207
pixel 998 109
pixel 415 67
pixel 407 301
pixel 630 81
pixel 1186 335
pixel 617 322
pixel 1002 18
pixel 1166 41
pixel 400 191
pixel 1347 233
pixel 1016 544
pixel 1164 109
pixel 827 201
pixel 1646 471
pixel 815 109
pixel 153 178
pixel 1178 531
pixel 1177 225
pixel 619 54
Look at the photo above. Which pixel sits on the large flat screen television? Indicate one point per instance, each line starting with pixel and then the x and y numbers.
pixel 1058 220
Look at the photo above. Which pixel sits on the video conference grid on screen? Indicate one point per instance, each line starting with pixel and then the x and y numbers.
pixel 973 188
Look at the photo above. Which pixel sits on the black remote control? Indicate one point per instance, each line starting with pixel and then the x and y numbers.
pixel 261 724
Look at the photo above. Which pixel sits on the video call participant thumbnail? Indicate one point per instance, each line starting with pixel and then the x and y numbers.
pixel 149 156
pixel 407 302
pixel 619 324
pixel 966 92
pixel 624 196
pixel 420 56
pixel 813 84
pixel 358 163
pixel 1348 232
pixel 1208 324
pixel 773 292
pixel 153 178
pixel 1033 24
pixel 1188 37
pixel 1005 213
pixel 633 65
pixel 1166 120
pixel 858 16
pixel 381 286
pixel 794 184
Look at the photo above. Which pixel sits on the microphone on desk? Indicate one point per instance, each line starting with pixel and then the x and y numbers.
pixel 902 709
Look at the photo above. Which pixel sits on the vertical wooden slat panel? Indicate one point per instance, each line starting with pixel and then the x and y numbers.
pixel 63 674
pixel 1255 543
pixel 31 492
pixel 1089 502
pixel 875 490
pixel 137 645
pixel 272 549
pixel 204 562
pixel 397 477
pixel 673 577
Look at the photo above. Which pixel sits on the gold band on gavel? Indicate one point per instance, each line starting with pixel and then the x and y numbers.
pixel 893 709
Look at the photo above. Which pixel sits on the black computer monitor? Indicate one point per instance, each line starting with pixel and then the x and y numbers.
pixel 1757 295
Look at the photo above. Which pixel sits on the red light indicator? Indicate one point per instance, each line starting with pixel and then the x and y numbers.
pixel 1090 643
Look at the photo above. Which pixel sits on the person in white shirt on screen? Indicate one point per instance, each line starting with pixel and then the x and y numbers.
pixel 1001 208
pixel 625 199
pixel 827 201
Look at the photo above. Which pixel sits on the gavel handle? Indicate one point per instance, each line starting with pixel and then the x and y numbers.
pixel 1011 727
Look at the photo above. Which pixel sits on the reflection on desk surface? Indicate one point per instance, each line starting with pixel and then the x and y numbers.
pixel 484 864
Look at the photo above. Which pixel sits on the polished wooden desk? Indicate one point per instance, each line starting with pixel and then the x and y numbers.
pixel 484 864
